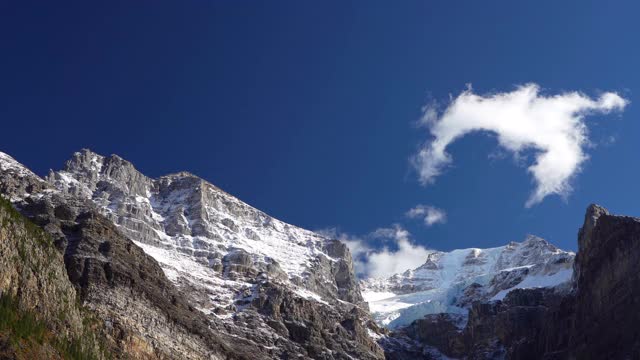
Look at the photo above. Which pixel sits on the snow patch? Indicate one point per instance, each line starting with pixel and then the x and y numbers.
pixel 538 281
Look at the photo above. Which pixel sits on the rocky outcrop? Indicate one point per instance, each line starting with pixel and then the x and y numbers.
pixel 323 331
pixel 117 279
pixel 338 266
pixel 593 317
pixel 16 181
pixel 522 326
pixel 39 312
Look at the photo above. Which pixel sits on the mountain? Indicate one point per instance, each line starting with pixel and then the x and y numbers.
pixel 177 268
pixel 199 234
pixel 99 261
pixel 449 282
pixel 595 316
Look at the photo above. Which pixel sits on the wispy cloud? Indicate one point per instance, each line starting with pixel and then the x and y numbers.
pixel 398 256
pixel 552 126
pixel 404 256
pixel 429 214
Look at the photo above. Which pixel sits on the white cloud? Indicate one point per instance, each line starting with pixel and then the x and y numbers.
pixel 430 214
pixel 405 256
pixel 384 262
pixel 552 126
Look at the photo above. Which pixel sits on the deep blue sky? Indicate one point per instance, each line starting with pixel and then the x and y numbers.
pixel 306 109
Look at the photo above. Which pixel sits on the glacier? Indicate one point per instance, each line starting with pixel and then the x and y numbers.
pixel 448 282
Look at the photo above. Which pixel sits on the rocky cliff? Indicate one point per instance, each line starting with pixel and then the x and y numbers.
pixel 39 313
pixel 177 268
pixel 607 288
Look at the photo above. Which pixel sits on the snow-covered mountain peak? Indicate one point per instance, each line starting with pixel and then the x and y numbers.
pixel 85 160
pixel 450 281
pixel 180 175
pixel 198 233
pixel 9 164
pixel 17 181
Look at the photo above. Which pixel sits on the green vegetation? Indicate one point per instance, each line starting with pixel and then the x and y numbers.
pixel 32 230
pixel 26 330
pixel 21 325
pixel 75 350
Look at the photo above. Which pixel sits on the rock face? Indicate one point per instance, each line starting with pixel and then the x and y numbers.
pixel 176 268
pixel 450 282
pixel 595 316
pixel 39 315
pixel 607 288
